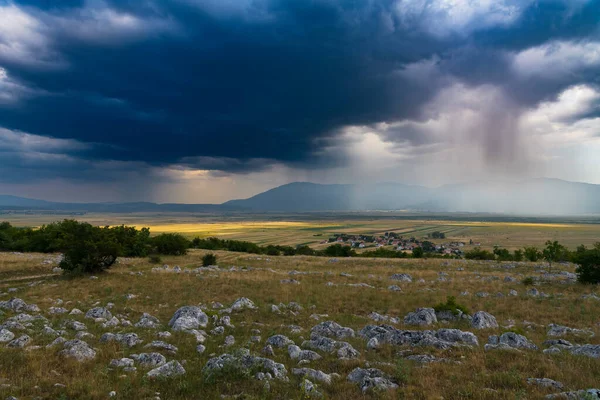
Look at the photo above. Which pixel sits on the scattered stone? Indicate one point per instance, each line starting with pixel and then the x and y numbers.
pixel 401 277
pixel 589 394
pixel 121 363
pixel 483 320
pixel 331 329
pixel 371 379
pixel 509 341
pixel 545 383
pixel 98 312
pixel 148 321
pixel 149 360
pixel 168 370
pixel 79 350
pixel 19 342
pixel 188 317
pixel 229 341
pixel 310 389
pixel 296 353
pixel 125 339
pixel 560 330
pixel 57 310
pixel 315 374
pixel 158 344
pixel 441 339
pixel 513 293
pixel 200 348
pixel 242 361
pixel 395 288
pixel 6 336
pixel 421 316
pixel 279 341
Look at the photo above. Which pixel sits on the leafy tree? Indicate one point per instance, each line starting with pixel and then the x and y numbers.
pixel 209 259
pixel 418 252
pixel 502 254
pixel 479 254
pixel 170 244
pixel 532 254
pixel 305 250
pixel 553 252
pixel 87 248
pixel 588 270
pixel 337 250
pixel 518 255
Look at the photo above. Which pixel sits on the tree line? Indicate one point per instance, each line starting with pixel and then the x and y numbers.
pixel 88 248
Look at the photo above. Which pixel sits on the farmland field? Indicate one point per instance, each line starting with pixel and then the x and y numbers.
pixel 312 229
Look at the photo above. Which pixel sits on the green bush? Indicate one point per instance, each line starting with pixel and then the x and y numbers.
pixel 88 249
pixel 529 281
pixel 452 306
pixel 155 259
pixel 209 259
pixel 172 244
pixel 418 252
pixel 479 254
pixel 588 270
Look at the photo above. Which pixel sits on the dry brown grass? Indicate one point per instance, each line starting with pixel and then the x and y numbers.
pixel 478 375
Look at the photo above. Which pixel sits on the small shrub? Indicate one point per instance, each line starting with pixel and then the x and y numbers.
pixel 155 259
pixel 452 306
pixel 209 259
pixel 402 372
pixel 529 281
pixel 588 270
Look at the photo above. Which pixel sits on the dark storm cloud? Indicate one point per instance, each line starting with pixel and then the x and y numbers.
pixel 212 84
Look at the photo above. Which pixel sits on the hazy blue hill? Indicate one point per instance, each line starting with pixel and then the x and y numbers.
pixel 303 196
pixel 530 197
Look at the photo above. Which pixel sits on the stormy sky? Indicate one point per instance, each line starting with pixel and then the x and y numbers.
pixel 207 100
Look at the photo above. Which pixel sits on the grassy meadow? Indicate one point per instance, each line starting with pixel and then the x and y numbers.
pixel 344 290
pixel 471 373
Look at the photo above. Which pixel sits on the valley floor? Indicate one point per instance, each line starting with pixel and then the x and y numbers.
pixel 346 291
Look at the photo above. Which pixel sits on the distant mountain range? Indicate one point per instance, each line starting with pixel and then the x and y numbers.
pixel 529 197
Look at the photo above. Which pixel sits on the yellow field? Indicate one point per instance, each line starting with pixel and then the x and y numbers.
pixel 309 229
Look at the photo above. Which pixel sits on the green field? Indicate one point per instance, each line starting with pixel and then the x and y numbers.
pixel 311 229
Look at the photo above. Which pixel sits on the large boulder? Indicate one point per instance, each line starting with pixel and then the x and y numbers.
pixel 421 317
pixel 442 339
pixel 483 320
pixel 242 361
pixel 188 317
pixel 509 341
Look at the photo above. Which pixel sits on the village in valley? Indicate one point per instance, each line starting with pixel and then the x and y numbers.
pixel 396 241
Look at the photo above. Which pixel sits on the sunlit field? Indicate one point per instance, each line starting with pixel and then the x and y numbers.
pixel 312 229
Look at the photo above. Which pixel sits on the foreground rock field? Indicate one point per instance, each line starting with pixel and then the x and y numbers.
pixel 258 327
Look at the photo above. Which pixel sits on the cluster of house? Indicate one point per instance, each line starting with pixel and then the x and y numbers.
pixel 397 242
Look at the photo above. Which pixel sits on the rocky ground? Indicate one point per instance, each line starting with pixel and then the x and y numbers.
pixel 296 328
